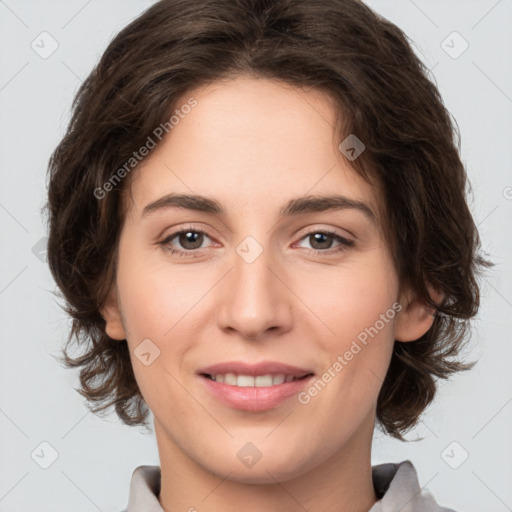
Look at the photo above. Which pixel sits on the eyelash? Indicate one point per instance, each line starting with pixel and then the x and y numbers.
pixel 344 243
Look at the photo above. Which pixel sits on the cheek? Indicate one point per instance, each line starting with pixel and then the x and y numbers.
pixel 158 341
pixel 155 303
pixel 358 307
pixel 348 299
pixel 156 299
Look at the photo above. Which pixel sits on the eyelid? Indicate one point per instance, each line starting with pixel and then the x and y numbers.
pixel 316 228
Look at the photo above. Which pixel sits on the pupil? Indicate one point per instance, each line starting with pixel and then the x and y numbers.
pixel 191 237
pixel 318 239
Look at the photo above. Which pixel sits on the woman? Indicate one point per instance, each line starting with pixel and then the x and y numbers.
pixel 258 223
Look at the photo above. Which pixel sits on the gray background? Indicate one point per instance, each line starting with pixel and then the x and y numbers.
pixel 97 456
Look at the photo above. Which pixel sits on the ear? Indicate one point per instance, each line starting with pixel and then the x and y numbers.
pixel 112 315
pixel 415 318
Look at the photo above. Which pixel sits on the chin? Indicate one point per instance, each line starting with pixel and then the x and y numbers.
pixel 263 475
pixel 276 465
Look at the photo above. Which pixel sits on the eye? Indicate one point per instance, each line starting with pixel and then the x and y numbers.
pixel 321 241
pixel 190 240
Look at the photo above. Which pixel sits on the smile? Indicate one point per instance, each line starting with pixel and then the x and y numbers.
pixel 258 381
pixel 254 393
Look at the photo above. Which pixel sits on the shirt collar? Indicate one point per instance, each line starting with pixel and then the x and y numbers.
pixel 144 490
pixel 398 490
pixel 396 486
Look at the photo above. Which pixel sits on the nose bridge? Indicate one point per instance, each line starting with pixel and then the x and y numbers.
pixel 254 299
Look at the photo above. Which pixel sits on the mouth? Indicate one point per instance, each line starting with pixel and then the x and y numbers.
pixel 254 387
pixel 256 381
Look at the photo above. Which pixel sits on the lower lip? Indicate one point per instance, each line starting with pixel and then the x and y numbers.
pixel 252 398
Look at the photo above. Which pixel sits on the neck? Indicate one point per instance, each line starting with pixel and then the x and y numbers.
pixel 342 482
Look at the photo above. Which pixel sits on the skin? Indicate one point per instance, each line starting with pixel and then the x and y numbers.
pixel 253 144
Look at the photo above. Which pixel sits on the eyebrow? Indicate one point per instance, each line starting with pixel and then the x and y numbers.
pixel 296 206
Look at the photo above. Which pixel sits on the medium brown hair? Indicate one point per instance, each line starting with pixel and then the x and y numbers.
pixel 383 95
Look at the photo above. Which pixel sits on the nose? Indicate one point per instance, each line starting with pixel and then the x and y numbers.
pixel 254 299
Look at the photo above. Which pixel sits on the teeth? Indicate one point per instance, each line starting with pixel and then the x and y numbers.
pixel 278 379
pixel 229 378
pixel 250 381
pixel 245 381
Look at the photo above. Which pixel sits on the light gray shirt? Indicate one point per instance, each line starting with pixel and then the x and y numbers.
pixel 396 486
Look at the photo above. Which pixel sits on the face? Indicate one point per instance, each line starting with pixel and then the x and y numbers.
pixel 238 290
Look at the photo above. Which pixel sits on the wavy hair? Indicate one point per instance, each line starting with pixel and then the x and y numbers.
pixel 383 94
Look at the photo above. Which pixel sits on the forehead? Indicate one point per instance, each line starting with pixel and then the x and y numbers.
pixel 251 143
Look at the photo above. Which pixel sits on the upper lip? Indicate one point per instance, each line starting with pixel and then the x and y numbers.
pixel 254 369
